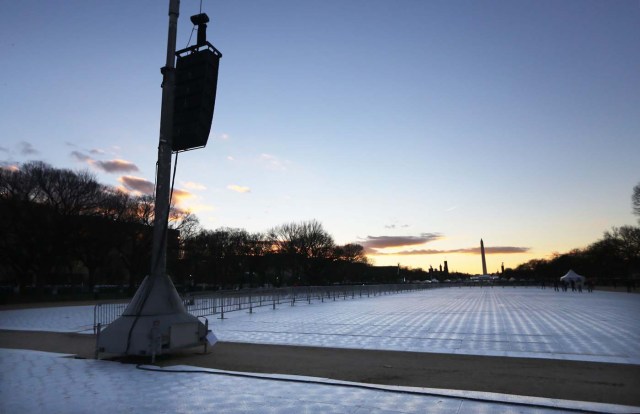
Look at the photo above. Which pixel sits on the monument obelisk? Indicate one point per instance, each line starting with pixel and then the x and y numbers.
pixel 484 262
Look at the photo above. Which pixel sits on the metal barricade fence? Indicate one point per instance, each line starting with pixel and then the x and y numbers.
pixel 221 302
pixel 105 313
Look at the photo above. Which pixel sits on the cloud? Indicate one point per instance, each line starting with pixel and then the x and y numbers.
pixel 384 242
pixel 505 250
pixel 200 207
pixel 116 166
pixel 472 250
pixel 97 151
pixel 272 162
pixel 230 158
pixel 491 250
pixel 27 149
pixel 3 149
pixel 419 252
pixel 136 184
pixel 179 196
pixel 113 166
pixel 194 186
pixel 376 245
pixel 81 157
pixel 8 166
pixel 396 226
pixel 239 188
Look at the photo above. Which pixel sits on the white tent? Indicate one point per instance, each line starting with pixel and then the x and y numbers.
pixel 572 276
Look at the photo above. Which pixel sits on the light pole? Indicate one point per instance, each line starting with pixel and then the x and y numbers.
pixel 163 181
pixel 156 320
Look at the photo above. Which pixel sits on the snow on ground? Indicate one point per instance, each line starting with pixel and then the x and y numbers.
pixel 601 326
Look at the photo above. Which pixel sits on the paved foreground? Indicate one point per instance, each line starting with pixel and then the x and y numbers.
pixel 35 382
pixel 569 380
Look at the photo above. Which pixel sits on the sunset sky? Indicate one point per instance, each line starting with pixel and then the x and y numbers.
pixel 414 128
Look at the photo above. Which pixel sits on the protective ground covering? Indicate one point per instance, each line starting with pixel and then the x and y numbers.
pixel 601 326
pixel 38 382
pixel 520 322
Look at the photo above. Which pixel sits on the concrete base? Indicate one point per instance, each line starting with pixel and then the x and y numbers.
pixel 155 322
pixel 136 335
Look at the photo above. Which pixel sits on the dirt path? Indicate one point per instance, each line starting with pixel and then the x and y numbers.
pixel 571 380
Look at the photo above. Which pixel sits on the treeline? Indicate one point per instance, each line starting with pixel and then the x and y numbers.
pixel 287 255
pixel 61 227
pixel 614 259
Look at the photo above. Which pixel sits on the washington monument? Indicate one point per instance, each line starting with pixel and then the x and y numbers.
pixel 484 262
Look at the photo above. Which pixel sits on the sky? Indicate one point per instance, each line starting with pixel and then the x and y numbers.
pixel 414 128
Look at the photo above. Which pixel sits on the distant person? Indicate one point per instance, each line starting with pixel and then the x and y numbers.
pixel 590 285
pixel 556 286
pixel 573 285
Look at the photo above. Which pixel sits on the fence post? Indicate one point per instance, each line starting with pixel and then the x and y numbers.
pixel 95 319
pixel 97 352
pixel 206 329
pixel 221 305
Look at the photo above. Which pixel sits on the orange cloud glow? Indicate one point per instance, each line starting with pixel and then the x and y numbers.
pixel 112 166
pixel 136 184
pixel 239 188
pixel 385 242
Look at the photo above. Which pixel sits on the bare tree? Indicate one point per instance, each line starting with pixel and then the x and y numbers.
pixel 41 230
pixel 307 239
pixel 66 191
pixel 627 240
pixel 18 186
pixel 635 201
pixel 351 253
pixel 117 205
pixel 303 247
